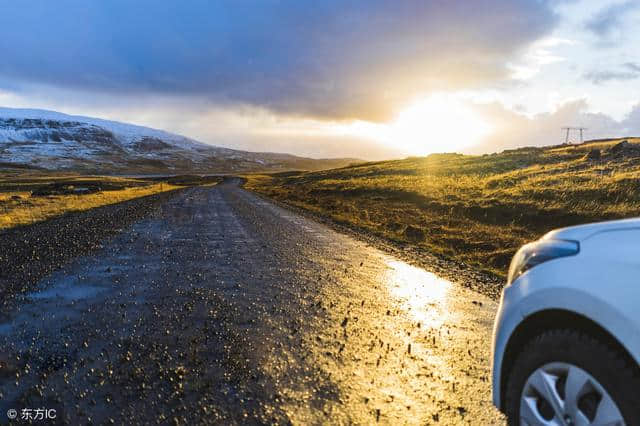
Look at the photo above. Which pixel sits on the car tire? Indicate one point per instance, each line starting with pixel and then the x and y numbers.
pixel 604 363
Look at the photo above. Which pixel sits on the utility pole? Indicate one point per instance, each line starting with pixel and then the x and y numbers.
pixel 568 129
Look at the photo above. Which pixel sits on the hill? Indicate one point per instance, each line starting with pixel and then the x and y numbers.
pixel 51 141
pixel 474 209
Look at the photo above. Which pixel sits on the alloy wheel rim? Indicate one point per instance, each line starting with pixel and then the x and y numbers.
pixel 562 394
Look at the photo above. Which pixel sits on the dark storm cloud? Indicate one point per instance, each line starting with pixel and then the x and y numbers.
pixel 339 59
pixel 609 18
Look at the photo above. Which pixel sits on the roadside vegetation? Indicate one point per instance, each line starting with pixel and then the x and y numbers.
pixel 25 200
pixel 473 209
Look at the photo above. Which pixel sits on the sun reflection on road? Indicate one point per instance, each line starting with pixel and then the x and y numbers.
pixel 423 294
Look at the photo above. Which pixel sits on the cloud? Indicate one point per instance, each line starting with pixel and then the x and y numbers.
pixel 329 59
pixel 516 130
pixel 632 66
pixel 539 54
pixel 629 71
pixel 608 19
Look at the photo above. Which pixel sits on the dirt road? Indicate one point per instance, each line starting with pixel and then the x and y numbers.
pixel 225 308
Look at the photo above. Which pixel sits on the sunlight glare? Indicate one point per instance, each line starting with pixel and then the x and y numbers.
pixel 423 294
pixel 439 123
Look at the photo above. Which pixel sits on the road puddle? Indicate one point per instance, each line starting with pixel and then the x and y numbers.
pixel 71 293
pixel 68 289
pixel 421 293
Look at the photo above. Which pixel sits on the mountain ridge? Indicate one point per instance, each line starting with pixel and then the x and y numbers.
pixel 51 140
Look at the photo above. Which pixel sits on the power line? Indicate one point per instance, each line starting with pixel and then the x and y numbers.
pixel 568 129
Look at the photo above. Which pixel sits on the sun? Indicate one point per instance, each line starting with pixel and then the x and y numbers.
pixel 439 123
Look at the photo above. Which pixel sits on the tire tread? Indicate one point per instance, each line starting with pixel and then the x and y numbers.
pixel 599 352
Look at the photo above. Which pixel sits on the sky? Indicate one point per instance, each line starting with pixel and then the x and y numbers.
pixel 367 79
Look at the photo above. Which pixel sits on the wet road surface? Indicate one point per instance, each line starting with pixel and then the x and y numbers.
pixel 228 309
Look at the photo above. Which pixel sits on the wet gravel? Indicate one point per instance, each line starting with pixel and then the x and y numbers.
pixel 28 253
pixel 223 308
pixel 456 271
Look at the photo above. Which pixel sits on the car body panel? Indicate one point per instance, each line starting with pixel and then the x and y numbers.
pixel 601 283
pixel 582 232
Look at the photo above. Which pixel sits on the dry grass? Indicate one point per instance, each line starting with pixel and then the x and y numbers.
pixel 20 203
pixel 475 209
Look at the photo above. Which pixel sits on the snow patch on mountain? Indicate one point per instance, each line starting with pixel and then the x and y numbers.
pixel 53 140
pixel 127 133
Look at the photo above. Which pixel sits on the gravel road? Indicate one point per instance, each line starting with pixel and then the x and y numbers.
pixel 225 308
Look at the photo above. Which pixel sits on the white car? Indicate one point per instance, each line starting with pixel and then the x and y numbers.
pixel 566 340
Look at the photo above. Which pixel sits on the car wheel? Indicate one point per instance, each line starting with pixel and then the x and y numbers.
pixel 566 378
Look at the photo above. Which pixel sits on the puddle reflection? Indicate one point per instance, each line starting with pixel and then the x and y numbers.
pixel 423 294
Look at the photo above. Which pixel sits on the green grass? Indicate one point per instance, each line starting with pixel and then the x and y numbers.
pixel 474 209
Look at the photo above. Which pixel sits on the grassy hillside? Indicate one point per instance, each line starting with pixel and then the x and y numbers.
pixel 475 209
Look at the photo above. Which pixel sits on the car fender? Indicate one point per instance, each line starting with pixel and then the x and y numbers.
pixel 570 299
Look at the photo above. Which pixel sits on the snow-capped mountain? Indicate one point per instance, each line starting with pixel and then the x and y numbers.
pixel 50 140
